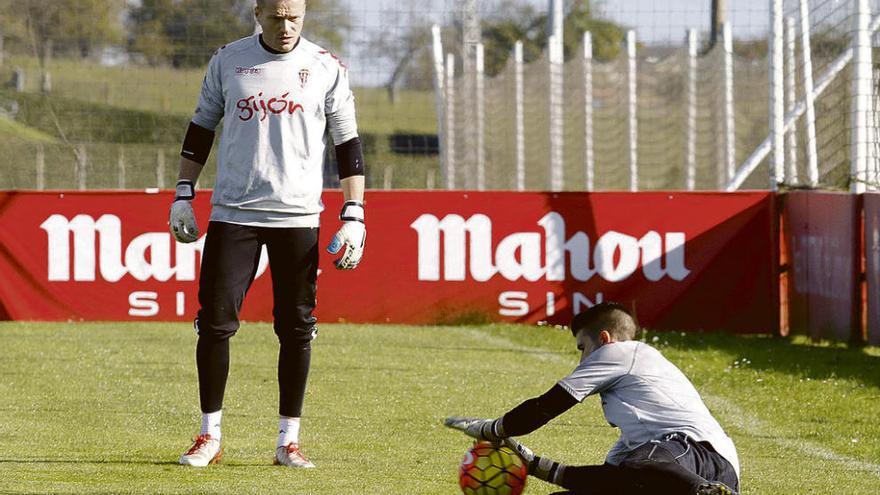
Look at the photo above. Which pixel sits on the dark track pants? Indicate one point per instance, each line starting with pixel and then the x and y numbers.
pixel 673 465
pixel 229 264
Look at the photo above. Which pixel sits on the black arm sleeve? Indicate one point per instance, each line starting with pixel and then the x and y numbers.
pixel 197 143
pixel 535 413
pixel 350 158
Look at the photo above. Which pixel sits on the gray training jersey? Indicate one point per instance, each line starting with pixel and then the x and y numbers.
pixel 647 397
pixel 275 110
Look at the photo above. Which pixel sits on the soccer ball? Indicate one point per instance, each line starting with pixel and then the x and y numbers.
pixel 490 470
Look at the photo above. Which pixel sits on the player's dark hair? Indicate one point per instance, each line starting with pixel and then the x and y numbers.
pixel 610 316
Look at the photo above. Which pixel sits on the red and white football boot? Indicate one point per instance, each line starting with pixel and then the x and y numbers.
pixel 289 455
pixel 205 450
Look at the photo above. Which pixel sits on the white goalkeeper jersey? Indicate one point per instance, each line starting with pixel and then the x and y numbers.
pixel 275 110
pixel 647 397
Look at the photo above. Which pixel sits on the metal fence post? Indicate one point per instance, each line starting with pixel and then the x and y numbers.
pixel 467 94
pixel 557 125
pixel 450 121
pixel 589 160
pixel 520 117
pixel 557 89
pixel 439 96
pixel 18 79
pixel 692 52
pixel 809 98
pixel 729 112
pixel 120 167
pixel 388 178
pixel 41 167
pixel 777 94
pixel 82 160
pixel 160 169
pixel 556 18
pixel 430 180
pixel 481 118
pixel 862 93
pixel 874 135
pixel 632 104
pixel 46 82
pixel 791 175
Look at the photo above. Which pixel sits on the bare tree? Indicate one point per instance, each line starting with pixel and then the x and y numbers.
pixel 74 27
pixel 185 33
pixel 402 50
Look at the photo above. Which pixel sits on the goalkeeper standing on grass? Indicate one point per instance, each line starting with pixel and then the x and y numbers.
pixel 669 442
pixel 279 93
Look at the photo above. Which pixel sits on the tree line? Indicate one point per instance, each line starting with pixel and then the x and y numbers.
pixel 409 52
pixel 184 33
pixel 176 33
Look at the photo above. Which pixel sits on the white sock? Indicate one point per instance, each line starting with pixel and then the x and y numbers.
pixel 211 424
pixel 288 431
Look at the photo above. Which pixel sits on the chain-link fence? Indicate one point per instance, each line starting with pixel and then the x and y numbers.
pixel 688 113
pixel 819 39
pixel 101 99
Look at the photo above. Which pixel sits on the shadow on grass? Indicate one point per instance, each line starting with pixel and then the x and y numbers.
pixel 787 355
pixel 89 461
pixel 473 348
pixel 131 462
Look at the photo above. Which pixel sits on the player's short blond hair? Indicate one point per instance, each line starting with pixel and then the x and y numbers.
pixel 262 3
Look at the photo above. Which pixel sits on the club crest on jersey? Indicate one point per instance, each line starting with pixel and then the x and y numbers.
pixel 303 77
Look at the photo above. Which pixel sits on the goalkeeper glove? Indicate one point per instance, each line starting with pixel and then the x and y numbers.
pixel 182 218
pixel 481 429
pixel 351 236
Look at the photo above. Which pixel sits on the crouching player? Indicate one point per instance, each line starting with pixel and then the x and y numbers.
pixel 669 442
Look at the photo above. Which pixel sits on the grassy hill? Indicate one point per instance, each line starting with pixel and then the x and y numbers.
pixel 133 114
pixel 12 130
pixel 168 91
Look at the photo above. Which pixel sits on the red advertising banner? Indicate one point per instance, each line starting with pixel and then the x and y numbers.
pixel 823 248
pixel 683 261
pixel 872 265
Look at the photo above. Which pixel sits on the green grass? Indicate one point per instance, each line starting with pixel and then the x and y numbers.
pixel 108 407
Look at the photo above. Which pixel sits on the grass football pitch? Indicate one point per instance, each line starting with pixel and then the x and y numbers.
pixel 108 408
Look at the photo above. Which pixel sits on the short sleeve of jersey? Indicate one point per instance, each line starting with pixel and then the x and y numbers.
pixel 599 371
pixel 339 107
pixel 210 109
pixel 339 97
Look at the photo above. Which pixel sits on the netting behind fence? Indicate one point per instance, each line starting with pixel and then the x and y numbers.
pixel 661 121
pixel 829 26
pixel 103 101
pixel 107 107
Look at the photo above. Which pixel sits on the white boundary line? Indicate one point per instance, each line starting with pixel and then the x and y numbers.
pixel 757 427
